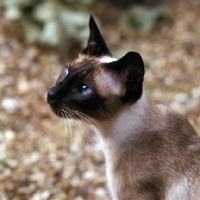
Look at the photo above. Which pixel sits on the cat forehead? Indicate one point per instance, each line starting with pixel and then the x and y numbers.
pixel 103 59
pixel 107 59
pixel 84 62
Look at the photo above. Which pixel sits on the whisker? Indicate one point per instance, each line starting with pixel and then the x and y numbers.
pixel 83 132
pixel 65 124
pixel 37 120
pixel 76 120
pixel 65 115
pixel 87 118
pixel 82 117
pixel 68 111
pixel 70 129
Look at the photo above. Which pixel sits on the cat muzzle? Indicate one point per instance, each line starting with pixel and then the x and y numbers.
pixel 51 96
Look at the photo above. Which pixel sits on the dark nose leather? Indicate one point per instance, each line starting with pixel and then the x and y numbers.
pixel 50 94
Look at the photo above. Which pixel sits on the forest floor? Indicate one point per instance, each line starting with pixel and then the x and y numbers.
pixel 39 157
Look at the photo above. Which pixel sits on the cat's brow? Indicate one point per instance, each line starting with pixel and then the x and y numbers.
pixel 80 71
pixel 82 67
pixel 69 65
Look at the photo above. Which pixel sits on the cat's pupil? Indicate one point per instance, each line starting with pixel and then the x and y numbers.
pixel 84 89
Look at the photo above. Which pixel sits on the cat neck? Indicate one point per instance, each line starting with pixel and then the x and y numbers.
pixel 129 122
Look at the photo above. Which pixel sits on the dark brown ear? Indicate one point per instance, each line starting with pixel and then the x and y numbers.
pixel 96 45
pixel 131 68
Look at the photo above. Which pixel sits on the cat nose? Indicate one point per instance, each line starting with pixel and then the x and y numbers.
pixel 50 95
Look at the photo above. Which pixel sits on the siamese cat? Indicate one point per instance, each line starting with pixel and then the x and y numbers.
pixel 151 152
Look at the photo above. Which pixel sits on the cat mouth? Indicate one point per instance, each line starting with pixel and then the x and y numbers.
pixel 58 112
pixel 55 106
pixel 64 112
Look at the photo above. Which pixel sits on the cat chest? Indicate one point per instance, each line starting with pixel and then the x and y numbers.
pixel 125 183
pixel 113 181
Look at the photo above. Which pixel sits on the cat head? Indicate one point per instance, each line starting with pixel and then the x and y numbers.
pixel 96 84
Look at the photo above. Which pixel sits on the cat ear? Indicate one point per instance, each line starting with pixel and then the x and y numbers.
pixel 131 68
pixel 96 45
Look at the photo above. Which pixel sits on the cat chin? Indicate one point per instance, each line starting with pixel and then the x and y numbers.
pixel 55 111
pixel 66 114
pixel 61 114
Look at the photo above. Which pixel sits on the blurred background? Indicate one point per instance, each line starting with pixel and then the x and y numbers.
pixel 40 159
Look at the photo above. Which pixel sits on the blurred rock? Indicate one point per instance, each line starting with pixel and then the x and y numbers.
pixel 11 163
pixel 198 120
pixel 181 98
pixel 90 175
pixel 157 94
pixel 78 198
pixel 2 68
pixel 100 192
pixel 75 149
pixel 196 92
pixel 193 104
pixel 22 86
pixel 39 177
pixel 169 80
pixel 9 104
pixel 45 194
pixel 6 80
pixel 13 11
pixel 3 149
pixel 178 107
pixel 9 135
pixel 36 196
pixel 67 172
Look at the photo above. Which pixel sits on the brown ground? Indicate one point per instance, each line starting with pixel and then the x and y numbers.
pixel 38 159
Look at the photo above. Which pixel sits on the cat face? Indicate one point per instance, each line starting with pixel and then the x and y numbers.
pixel 95 84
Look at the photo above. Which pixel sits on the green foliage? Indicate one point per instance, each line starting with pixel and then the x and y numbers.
pixel 49 22
pixel 58 22
pixel 144 18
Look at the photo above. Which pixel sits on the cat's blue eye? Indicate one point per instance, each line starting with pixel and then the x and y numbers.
pixel 62 76
pixel 65 73
pixel 84 90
